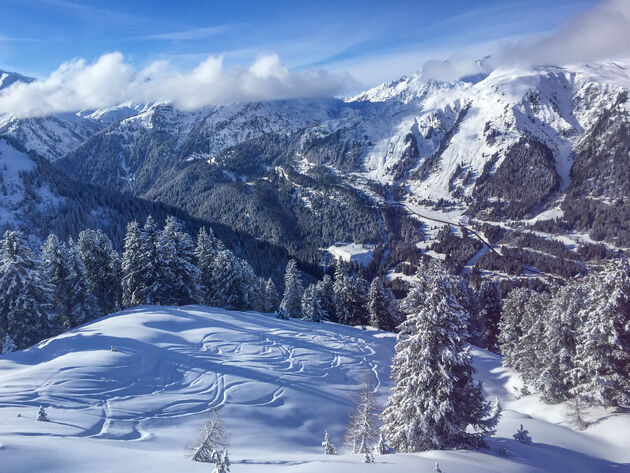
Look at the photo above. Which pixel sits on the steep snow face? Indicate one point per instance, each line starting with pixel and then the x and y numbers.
pixel 279 385
pixel 461 127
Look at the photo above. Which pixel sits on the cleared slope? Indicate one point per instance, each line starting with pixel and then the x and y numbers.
pixel 279 385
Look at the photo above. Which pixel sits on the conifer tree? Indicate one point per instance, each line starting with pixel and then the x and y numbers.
pixel 179 270
pixel 102 269
pixel 603 348
pixel 562 321
pixel 327 297
pixel 6 343
pixel 292 301
pixel 225 287
pixel 362 428
pixel 81 302
pixel 41 414
pixel 25 298
pixel 490 306
pixel 153 276
pixel 271 300
pixel 329 448
pixel 312 306
pixel 206 251
pixel 133 290
pixel 436 404
pixel 382 306
pixel 351 298
pixel 522 436
pixel 56 272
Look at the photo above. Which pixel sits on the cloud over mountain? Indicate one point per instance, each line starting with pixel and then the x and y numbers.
pixel 111 80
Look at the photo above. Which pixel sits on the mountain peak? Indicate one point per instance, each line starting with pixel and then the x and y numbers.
pixel 9 78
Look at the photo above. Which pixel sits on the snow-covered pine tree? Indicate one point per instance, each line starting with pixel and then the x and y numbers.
pixel 311 305
pixel 351 298
pixel 233 282
pixel 214 436
pixel 363 426
pixel 271 300
pixel 56 272
pixel 436 404
pixel 206 251
pixel 180 272
pixel 522 436
pixel 154 278
pixel 490 307
pixel 41 414
pixel 25 298
pixel 133 291
pixel 102 268
pixel 292 301
pixel 81 301
pixel 603 348
pixel 382 447
pixel 6 343
pixel 562 321
pixel 521 332
pixel 382 306
pixel 329 448
pixel 327 297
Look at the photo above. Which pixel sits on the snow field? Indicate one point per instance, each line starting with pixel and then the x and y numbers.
pixel 279 385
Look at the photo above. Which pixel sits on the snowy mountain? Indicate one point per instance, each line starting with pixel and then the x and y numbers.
pixel 527 146
pixel 131 390
pixel 9 78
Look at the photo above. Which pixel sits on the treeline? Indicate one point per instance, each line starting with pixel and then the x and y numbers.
pixel 575 341
pixel 72 283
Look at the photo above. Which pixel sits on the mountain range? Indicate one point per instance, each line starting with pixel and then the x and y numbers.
pixel 534 159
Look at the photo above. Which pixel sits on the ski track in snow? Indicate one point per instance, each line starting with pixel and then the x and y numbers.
pixel 279 384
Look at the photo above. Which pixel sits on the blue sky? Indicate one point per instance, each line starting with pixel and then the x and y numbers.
pixel 373 40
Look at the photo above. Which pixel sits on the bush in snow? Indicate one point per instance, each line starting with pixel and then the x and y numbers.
pixel 41 414
pixel 329 448
pixel 522 436
pixel 368 457
pixel 214 436
pixel 222 461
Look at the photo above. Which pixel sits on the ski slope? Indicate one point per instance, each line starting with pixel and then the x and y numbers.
pixel 279 384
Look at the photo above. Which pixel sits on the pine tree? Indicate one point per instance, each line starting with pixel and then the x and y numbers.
pixel 312 306
pixel 233 282
pixel 562 321
pixel 362 428
pixel 41 414
pixel 271 300
pixel 329 448
pixel 603 348
pixel 436 402
pixel 102 268
pixel 351 298
pixel 179 271
pixel 6 344
pixel 133 290
pixel 154 278
pixel 208 247
pixel 522 436
pixel 25 299
pixel 327 297
pixel 292 301
pixel 382 447
pixel 490 302
pixel 81 302
pixel 56 272
pixel 382 306
pixel 214 437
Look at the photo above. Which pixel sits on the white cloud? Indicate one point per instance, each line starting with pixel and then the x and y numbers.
pixel 78 85
pixel 600 33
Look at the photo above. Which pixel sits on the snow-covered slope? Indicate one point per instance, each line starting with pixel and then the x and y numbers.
pixel 279 385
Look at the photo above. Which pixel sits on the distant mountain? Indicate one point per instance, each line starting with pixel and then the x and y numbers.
pixel 10 78
pixel 527 146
